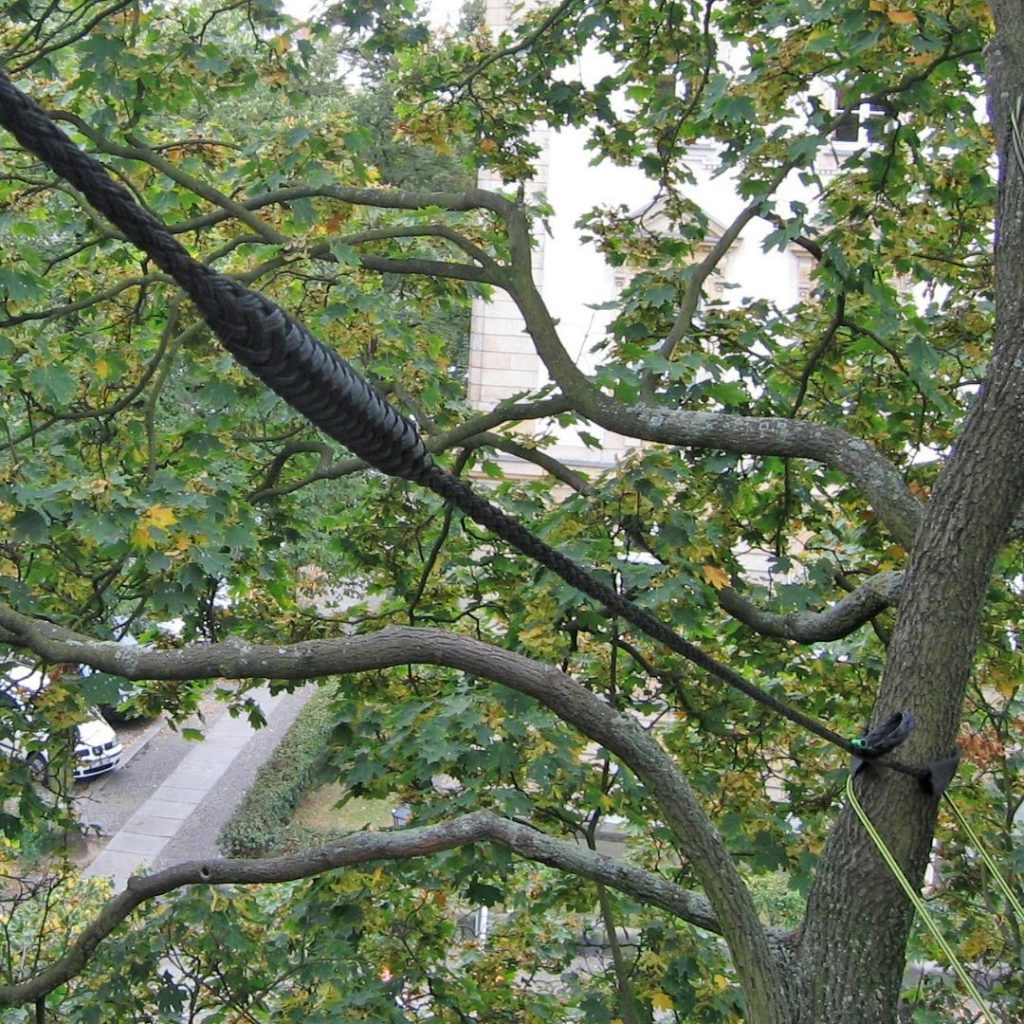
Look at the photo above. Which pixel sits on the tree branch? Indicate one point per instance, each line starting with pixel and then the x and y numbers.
pixel 850 613
pixel 138 150
pixel 53 312
pixel 74 22
pixel 474 252
pixel 429 268
pixel 464 433
pixel 524 43
pixel 548 463
pixel 362 848
pixel 620 733
pixel 819 350
pixel 878 479
pixel 703 270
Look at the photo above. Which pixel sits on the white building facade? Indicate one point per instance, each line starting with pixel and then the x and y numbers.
pixel 578 284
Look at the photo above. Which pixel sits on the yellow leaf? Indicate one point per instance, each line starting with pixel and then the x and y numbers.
pixel 718 578
pixel 662 1001
pixel 975 944
pixel 160 515
pixel 141 537
pixel 901 17
pixel 1006 688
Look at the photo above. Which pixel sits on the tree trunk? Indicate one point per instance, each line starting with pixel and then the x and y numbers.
pixel 851 953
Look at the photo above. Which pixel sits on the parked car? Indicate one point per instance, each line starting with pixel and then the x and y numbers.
pixel 97 748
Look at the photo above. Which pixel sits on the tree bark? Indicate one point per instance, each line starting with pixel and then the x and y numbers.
pixel 857 924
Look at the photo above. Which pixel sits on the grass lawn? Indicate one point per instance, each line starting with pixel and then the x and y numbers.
pixel 318 809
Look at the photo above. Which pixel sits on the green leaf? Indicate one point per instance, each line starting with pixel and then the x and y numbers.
pixel 54 384
pixel 31 526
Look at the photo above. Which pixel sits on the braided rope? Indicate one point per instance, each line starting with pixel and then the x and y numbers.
pixel 308 375
pixel 329 392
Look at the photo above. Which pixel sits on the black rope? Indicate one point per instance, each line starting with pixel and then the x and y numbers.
pixel 324 388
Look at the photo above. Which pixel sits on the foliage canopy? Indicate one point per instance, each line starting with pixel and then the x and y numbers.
pixel 861 441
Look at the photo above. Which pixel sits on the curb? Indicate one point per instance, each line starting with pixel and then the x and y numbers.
pixel 141 742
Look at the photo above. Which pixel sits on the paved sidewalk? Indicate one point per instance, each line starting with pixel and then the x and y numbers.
pixel 146 833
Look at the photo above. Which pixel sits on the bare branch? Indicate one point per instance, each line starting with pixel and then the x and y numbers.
pixel 702 271
pixel 276 467
pixel 415 231
pixel 362 848
pixel 878 479
pixel 824 344
pixel 549 464
pixel 429 268
pixel 410 199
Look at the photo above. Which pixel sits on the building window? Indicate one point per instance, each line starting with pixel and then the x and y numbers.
pixel 860 122
pixel 805 264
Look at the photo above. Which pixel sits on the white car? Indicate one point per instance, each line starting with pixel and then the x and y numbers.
pixel 97 748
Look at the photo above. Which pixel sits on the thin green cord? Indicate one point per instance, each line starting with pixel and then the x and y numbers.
pixel 1004 886
pixel 917 901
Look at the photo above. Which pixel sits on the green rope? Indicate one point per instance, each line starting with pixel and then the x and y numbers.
pixel 915 898
pixel 1004 886
pixel 1016 138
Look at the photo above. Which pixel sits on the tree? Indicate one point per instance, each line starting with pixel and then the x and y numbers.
pixel 794 431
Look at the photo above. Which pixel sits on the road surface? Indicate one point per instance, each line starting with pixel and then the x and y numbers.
pixel 170 800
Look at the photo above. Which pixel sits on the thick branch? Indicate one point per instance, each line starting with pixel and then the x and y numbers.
pixel 877 478
pixel 429 268
pixel 362 848
pixel 407 199
pixel 473 251
pixel 841 619
pixel 618 732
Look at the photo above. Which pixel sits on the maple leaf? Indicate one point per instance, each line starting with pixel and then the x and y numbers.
pixel 156 516
pixel 718 578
